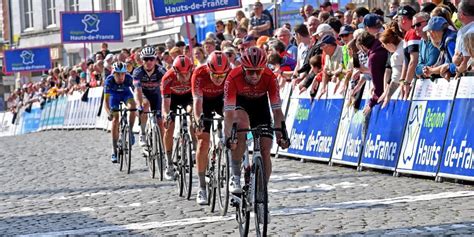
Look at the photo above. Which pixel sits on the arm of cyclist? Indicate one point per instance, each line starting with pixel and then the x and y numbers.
pixel 138 93
pixel 230 100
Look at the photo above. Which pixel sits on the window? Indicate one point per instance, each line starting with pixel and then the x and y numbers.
pixel 108 5
pixel 72 5
pixel 50 12
pixel 74 58
pixel 130 10
pixel 27 14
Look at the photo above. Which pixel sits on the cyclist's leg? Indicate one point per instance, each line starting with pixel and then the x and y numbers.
pixel 203 141
pixel 131 104
pixel 144 116
pixel 237 154
pixel 265 147
pixel 188 104
pixel 169 131
pixel 114 104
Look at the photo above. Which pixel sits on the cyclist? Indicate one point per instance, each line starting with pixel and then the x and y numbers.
pixel 248 90
pixel 118 88
pixel 208 96
pixel 147 79
pixel 175 90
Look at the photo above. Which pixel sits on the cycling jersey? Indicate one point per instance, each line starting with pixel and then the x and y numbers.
pixel 236 86
pixel 118 92
pixel 171 85
pixel 150 85
pixel 202 86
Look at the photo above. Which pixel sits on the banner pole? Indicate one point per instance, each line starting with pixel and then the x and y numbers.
pixel 188 32
pixel 85 52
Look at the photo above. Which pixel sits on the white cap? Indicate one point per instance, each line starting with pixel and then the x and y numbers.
pixel 323 28
pixel 109 56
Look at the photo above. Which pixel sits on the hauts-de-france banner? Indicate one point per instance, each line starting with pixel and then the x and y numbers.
pixel 88 26
pixel 385 134
pixel 349 141
pixel 173 8
pixel 458 157
pixel 27 60
pixel 314 129
pixel 426 128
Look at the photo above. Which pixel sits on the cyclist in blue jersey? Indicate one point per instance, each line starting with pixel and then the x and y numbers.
pixel 147 81
pixel 118 88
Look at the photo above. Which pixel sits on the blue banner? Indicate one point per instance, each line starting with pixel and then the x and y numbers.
pixel 27 60
pixel 427 125
pixel 290 13
pixel 458 157
pixel 174 8
pixel 204 23
pixel 86 27
pixel 314 127
pixel 350 139
pixel 385 134
pixel 31 121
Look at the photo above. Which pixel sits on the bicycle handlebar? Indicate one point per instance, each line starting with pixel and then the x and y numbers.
pixel 259 129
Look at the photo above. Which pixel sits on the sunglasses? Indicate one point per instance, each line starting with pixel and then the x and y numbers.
pixel 218 75
pixel 252 71
pixel 148 59
pixel 417 24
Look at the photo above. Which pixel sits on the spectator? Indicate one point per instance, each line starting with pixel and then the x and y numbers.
pixel 249 41
pixel 444 39
pixel 466 16
pixel 411 48
pixel 332 62
pixel 73 80
pixel 394 5
pixel 181 44
pixel 225 44
pixel 194 42
pixel 443 11
pixel 377 59
pixel 279 64
pixel 175 52
pixel 428 7
pixel 199 56
pixel 108 64
pixel 377 11
pixel 262 40
pixel 358 16
pixel 392 42
pixel 242 20
pixel 373 24
pixel 241 32
pixel 313 24
pixel 308 11
pixel 104 49
pixel 302 14
pixel 304 40
pixel 220 27
pixel 348 17
pixel 209 46
pixel 326 6
pixel 229 28
pixel 99 56
pixel 232 56
pixel 335 25
pixel 260 22
pixel 346 35
pixel 167 60
pixel 187 52
pixel 323 16
pixel 170 43
pixel 339 16
pixel 428 54
pixel 284 35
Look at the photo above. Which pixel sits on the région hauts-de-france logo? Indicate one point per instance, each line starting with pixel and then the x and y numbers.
pixel 27 57
pixel 91 23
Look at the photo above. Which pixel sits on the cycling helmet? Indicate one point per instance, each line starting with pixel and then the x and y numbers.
pixel 218 62
pixel 182 64
pixel 148 52
pixel 254 57
pixel 119 67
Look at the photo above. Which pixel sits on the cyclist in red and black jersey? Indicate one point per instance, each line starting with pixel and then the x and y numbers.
pixel 175 90
pixel 248 90
pixel 208 95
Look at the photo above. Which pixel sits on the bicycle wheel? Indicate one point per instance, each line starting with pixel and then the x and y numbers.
pixel 121 147
pixel 128 147
pixel 211 177
pixel 151 145
pixel 260 198
pixel 223 180
pixel 160 153
pixel 187 166
pixel 243 216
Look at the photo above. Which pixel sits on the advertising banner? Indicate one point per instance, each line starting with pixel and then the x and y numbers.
pixel 27 60
pixel 313 131
pixel 87 27
pixel 31 120
pixel 290 12
pixel 457 161
pixel 173 8
pixel 425 132
pixel 385 134
pixel 350 139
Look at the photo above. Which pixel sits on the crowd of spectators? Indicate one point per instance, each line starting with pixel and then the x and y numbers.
pixel 349 47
